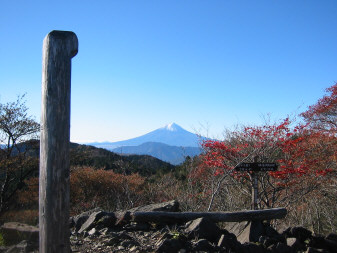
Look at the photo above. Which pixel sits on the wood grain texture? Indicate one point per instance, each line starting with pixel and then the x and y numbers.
pixel 58 49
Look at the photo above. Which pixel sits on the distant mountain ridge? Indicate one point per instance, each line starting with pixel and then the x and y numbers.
pixel 172 154
pixel 171 134
pixel 170 143
pixel 98 158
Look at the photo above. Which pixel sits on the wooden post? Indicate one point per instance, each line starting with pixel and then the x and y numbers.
pixel 254 190
pixel 58 49
pixel 255 193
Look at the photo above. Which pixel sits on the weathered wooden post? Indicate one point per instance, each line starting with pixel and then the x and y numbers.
pixel 58 49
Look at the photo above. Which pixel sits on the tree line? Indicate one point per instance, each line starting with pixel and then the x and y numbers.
pixel 305 183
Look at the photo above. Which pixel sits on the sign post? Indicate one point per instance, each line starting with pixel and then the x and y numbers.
pixel 255 192
pixel 254 168
pixel 59 47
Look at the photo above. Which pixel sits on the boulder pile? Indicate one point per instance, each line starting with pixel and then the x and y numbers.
pixel 100 231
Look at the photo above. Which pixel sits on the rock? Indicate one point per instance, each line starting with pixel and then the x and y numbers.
pixel 273 234
pixel 108 220
pixel 235 227
pixel 78 220
pixel 317 241
pixel 228 241
pixel 169 245
pixel 170 206
pixel 121 248
pixel 267 241
pixel 91 221
pixel 331 245
pixel 252 232
pixel 203 228
pixel 203 245
pixel 300 233
pixel 296 244
pixel 332 237
pixel 283 248
pixel 128 243
pixel 249 247
pixel 93 231
pixel 23 247
pixel 133 248
pixel 270 231
pixel 122 218
pixel 117 238
pixel 105 231
pixel 3 249
pixel 137 226
pixel 14 232
pixel 313 250
pixel 200 235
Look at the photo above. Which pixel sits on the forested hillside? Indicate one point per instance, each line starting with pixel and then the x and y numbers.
pixel 99 158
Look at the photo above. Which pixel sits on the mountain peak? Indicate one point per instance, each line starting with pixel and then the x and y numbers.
pixel 171 134
pixel 172 127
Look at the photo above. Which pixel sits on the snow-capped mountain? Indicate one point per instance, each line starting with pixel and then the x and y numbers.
pixel 171 134
pixel 170 143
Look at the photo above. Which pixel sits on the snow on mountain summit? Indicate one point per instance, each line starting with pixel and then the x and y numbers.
pixel 172 127
pixel 170 143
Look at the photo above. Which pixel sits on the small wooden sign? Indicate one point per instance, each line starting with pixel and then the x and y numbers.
pixel 256 167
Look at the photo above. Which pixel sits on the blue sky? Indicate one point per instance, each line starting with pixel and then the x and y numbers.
pixel 206 65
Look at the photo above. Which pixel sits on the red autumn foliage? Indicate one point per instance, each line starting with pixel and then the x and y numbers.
pixel 302 155
pixel 322 116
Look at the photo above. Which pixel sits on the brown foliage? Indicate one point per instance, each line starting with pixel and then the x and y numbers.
pixel 27 216
pixel 90 188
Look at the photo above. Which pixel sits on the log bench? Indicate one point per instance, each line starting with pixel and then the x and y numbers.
pixel 179 217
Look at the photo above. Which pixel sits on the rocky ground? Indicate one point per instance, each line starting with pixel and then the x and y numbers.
pixel 99 231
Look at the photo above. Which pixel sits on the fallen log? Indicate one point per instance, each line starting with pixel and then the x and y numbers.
pixel 179 217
